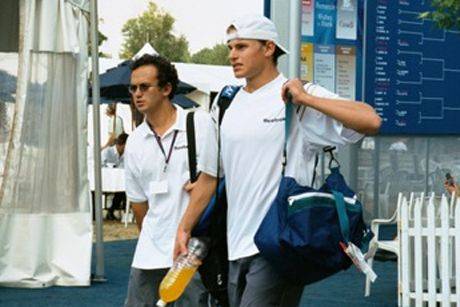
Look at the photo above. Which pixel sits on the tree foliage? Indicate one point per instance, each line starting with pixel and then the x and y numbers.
pixel 155 27
pixel 446 14
pixel 101 39
pixel 217 55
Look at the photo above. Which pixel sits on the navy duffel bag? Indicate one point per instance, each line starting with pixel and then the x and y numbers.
pixel 302 231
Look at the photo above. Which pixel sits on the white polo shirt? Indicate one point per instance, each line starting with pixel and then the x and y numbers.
pixel 252 136
pixel 144 162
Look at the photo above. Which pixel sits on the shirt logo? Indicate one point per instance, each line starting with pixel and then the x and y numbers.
pixel 179 147
pixel 274 120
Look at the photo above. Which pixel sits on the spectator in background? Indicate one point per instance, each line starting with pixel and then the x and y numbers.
pixel 114 125
pixel 113 156
pixel 451 186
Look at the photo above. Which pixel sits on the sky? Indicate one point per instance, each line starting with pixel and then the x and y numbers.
pixel 202 22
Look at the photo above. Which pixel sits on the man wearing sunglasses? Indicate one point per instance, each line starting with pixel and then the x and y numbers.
pixel 157 172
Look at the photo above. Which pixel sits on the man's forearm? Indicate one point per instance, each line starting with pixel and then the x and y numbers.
pixel 354 115
pixel 139 211
pixel 200 196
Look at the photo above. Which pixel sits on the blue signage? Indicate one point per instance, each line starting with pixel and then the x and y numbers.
pixel 412 76
pixel 412 68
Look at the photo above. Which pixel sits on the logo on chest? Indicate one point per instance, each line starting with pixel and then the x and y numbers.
pixel 273 120
pixel 179 147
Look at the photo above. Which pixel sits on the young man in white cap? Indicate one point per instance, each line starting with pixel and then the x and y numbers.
pixel 156 172
pixel 252 136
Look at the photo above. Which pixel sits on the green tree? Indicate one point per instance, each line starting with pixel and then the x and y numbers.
pixel 101 39
pixel 217 55
pixel 154 27
pixel 446 13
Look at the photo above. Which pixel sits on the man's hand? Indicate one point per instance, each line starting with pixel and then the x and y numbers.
pixel 188 187
pixel 354 115
pixel 294 88
pixel 180 245
pixel 139 211
pixel 200 194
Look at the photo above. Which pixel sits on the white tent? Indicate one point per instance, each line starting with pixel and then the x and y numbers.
pixel 45 221
pixel 207 78
pixel 147 48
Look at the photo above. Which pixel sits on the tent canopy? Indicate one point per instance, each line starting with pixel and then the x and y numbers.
pixel 146 49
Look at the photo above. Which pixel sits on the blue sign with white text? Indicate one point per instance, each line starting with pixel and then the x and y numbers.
pixel 412 76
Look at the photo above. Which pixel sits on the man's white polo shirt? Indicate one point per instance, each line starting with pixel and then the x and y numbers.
pixel 144 163
pixel 252 135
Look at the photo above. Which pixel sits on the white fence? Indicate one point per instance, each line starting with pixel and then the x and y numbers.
pixel 429 263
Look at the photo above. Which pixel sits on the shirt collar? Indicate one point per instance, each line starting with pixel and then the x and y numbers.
pixel 179 124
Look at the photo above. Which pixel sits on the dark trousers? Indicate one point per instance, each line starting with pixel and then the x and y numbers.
pixel 254 283
pixel 118 203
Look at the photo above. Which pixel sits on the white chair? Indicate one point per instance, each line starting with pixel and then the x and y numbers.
pixel 387 245
pixel 128 215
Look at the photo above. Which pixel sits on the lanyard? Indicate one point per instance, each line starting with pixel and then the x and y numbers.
pixel 168 157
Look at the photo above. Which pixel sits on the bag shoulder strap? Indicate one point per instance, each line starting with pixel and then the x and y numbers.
pixel 191 145
pixel 342 214
pixel 225 99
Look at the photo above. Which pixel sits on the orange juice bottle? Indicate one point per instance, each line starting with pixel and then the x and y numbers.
pixel 179 275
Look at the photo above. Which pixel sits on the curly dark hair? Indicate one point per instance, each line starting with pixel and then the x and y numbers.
pixel 167 72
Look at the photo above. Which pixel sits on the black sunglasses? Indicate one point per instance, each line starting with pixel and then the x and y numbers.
pixel 143 87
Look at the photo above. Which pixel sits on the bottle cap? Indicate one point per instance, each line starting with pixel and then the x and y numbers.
pixel 161 303
pixel 198 247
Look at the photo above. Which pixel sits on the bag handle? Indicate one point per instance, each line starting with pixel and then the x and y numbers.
pixel 330 151
pixel 342 214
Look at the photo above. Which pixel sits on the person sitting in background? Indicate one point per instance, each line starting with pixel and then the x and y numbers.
pixel 113 156
pixel 451 186
pixel 114 125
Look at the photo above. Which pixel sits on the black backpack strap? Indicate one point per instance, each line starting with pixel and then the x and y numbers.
pixel 314 170
pixel 225 98
pixel 191 146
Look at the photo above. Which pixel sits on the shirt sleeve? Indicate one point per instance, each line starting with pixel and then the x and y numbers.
pixel 206 143
pixel 321 130
pixel 134 191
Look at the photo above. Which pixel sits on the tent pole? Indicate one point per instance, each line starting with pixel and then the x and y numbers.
pixel 99 274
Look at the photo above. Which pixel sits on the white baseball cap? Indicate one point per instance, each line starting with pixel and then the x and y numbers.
pixel 255 27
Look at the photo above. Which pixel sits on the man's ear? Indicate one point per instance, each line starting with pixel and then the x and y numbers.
pixel 270 48
pixel 167 89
